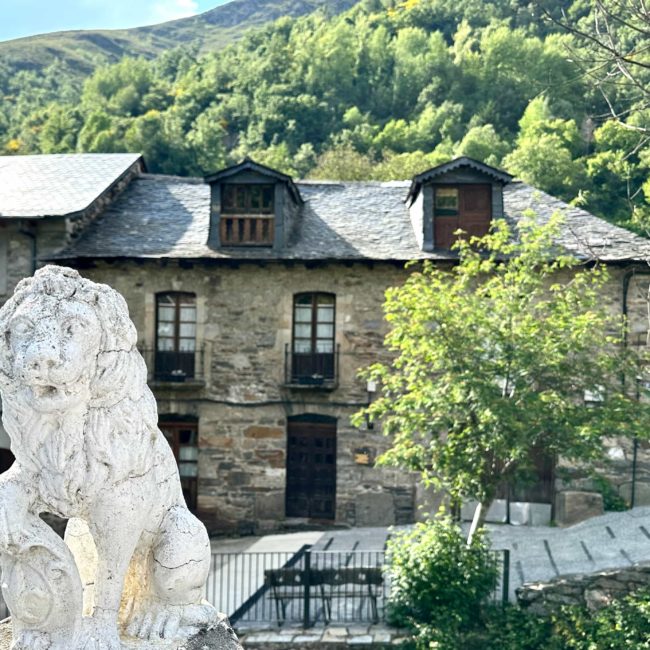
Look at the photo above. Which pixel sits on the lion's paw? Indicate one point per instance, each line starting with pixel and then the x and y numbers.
pixel 157 623
pixel 164 621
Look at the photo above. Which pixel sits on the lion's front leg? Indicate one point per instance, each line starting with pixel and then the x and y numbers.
pixel 116 529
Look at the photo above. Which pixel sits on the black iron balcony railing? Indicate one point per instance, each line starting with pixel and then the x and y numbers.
pixel 311 368
pixel 175 367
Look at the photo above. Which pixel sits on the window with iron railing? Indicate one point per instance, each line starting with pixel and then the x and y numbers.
pixel 175 336
pixel 313 359
pixel 247 214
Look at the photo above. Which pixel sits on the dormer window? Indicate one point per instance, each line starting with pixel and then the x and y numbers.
pixel 248 214
pixel 466 207
pixel 252 205
pixel 463 194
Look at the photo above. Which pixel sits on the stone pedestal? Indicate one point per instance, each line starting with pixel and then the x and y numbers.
pixel 218 637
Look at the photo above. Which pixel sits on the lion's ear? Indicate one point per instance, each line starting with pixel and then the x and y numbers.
pixel 118 332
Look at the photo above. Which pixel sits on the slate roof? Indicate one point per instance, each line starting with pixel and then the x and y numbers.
pixel 52 185
pixel 168 217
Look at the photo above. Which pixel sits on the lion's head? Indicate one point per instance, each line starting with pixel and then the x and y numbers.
pixel 74 386
pixel 67 340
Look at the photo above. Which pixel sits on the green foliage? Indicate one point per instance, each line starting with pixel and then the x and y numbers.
pixel 612 500
pixel 438 584
pixel 341 95
pixel 493 359
pixel 624 623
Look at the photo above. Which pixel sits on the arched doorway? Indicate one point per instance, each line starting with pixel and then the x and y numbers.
pixel 311 467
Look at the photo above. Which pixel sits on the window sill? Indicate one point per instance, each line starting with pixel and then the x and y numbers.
pixel 326 385
pixel 184 385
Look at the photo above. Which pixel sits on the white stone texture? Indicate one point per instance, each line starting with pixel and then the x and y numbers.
pixel 83 428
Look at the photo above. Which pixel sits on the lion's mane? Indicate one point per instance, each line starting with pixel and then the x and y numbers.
pixel 117 435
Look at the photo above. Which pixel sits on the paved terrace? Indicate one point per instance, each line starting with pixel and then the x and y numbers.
pixel 537 554
pixel 614 540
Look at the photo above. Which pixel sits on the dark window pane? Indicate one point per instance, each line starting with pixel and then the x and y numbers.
pixel 252 198
pixel 446 201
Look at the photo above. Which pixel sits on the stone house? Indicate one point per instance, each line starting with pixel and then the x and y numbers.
pixel 258 298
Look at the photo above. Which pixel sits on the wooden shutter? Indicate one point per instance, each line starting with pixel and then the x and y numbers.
pixel 475 209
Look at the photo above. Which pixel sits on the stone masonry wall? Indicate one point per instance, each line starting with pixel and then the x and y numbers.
pixel 244 316
pixel 244 323
pixel 593 590
pixel 578 494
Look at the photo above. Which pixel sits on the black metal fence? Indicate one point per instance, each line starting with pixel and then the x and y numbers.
pixel 304 587
pixel 311 586
pixel 176 367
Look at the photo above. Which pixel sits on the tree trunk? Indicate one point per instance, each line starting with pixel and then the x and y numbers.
pixel 478 521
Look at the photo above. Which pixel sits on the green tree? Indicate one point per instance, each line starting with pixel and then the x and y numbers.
pixel 493 360
pixel 343 162
pixel 484 144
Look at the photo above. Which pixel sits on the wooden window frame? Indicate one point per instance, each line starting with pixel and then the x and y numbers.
pixel 176 337
pixel 242 223
pixel 314 338
pixel 247 190
pixel 313 367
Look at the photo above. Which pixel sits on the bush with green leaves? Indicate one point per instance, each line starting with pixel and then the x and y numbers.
pixel 624 624
pixel 439 584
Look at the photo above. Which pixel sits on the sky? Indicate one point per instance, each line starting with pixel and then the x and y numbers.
pixel 27 17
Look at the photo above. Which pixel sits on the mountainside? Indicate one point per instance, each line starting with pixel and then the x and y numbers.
pixel 381 91
pixel 82 51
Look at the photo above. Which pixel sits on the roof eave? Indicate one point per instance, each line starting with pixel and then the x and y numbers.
pixel 260 169
pixel 464 161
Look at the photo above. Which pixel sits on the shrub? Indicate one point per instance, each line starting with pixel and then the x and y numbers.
pixel 439 585
pixel 612 500
pixel 625 623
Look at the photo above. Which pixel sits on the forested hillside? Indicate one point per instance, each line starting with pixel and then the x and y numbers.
pixel 382 91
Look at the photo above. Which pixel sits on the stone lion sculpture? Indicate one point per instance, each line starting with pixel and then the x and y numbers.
pixel 83 428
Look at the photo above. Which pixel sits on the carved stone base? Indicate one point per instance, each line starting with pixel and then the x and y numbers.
pixel 218 637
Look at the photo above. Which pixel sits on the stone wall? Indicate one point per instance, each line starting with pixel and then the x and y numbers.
pixel 624 468
pixel 244 313
pixel 17 263
pixel 244 318
pixel 594 590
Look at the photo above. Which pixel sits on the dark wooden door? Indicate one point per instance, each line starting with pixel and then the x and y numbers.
pixel 475 209
pixel 465 207
pixel 540 486
pixel 311 469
